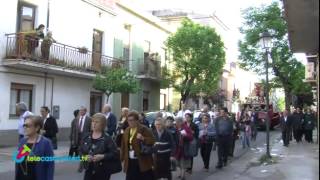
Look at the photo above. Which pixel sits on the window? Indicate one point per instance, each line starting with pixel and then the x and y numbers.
pixel 95 102
pixel 145 101
pixel 20 93
pixel 26 16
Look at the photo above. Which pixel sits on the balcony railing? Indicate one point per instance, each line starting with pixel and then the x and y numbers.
pixel 20 46
pixel 150 69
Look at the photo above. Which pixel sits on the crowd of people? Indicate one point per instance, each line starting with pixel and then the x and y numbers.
pixel 297 124
pixel 142 150
pixel 129 143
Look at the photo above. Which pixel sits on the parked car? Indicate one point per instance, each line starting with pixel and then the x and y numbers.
pixel 151 116
pixel 274 120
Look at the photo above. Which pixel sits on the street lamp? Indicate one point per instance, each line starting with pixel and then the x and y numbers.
pixel 266 43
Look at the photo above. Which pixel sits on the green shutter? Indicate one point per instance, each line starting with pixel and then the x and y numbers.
pixel 137 57
pixel 118 48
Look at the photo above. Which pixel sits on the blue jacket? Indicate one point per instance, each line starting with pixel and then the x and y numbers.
pixel 111 124
pixel 42 148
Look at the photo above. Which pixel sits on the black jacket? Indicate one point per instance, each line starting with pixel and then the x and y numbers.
pixel 297 119
pixel 224 126
pixel 286 125
pixel 309 121
pixel 164 144
pixel 104 145
pixel 51 127
pixel 112 124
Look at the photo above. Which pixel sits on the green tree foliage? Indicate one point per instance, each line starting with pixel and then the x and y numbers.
pixel 115 80
pixel 288 72
pixel 198 59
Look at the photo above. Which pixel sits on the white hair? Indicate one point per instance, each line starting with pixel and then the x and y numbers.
pixel 22 106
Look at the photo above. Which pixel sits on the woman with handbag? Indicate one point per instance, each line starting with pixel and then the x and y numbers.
pixel 163 150
pixel 136 150
pixel 184 134
pixel 207 137
pixel 103 156
pixel 195 133
pixel 122 125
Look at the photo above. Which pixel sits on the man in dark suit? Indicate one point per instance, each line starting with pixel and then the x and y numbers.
pixel 297 118
pixel 84 125
pixel 111 120
pixel 50 127
pixel 286 125
pixel 84 122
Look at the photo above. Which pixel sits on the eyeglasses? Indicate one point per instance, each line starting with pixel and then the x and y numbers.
pixel 27 125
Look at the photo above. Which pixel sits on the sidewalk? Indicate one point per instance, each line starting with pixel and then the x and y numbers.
pixel 296 162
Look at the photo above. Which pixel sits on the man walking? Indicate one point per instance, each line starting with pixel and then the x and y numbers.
pixel 224 130
pixel 285 125
pixel 297 125
pixel 22 112
pixel 111 120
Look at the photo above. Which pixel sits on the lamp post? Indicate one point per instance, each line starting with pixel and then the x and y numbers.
pixel 265 40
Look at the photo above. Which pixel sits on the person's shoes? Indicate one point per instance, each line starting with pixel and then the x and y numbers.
pixel 189 171
pixel 225 163
pixel 80 169
pixel 206 169
pixel 219 166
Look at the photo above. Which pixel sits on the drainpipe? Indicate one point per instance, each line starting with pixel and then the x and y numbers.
pixel 45 89
pixel 48 14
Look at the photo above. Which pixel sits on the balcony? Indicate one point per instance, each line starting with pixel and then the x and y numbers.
pixel 27 53
pixel 150 69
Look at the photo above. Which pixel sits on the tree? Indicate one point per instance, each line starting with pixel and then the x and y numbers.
pixel 198 59
pixel 115 80
pixel 288 71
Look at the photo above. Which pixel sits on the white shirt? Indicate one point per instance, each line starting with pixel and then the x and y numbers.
pixel 107 115
pixel 285 119
pixel 21 121
pixel 44 122
pixel 82 120
pixel 181 113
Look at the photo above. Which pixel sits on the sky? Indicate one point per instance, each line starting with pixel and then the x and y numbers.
pixel 228 11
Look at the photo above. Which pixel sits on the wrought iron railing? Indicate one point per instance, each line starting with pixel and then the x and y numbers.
pixel 22 46
pixel 150 68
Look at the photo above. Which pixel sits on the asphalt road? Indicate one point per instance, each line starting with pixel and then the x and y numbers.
pixel 68 170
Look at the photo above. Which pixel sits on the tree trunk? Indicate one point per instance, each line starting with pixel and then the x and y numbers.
pixel 287 98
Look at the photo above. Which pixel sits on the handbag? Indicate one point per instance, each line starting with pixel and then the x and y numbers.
pixel 146 149
pixel 191 148
pixel 173 165
pixel 114 166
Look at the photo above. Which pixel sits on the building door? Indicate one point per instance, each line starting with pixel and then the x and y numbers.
pixel 125 100
pixel 95 102
pixel 145 103
pixel 26 17
pixel 96 49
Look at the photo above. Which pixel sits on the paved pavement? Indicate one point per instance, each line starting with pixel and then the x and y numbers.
pixel 67 170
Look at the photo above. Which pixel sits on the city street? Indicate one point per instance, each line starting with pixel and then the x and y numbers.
pixel 67 170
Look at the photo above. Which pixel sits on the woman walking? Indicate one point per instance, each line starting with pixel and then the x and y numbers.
pixel 163 150
pixel 184 134
pixel 136 150
pixel 38 146
pixel 195 133
pixel 101 150
pixel 246 131
pixel 207 137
